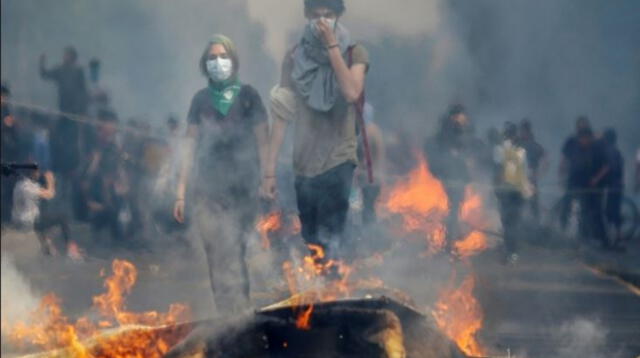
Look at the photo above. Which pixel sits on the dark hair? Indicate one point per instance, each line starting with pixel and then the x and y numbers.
pixel 584 119
pixel 510 130
pixel 336 6
pixel 610 136
pixel 71 51
pixel 456 109
pixel 585 132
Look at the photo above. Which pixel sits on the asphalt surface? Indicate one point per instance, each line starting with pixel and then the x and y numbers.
pixel 550 304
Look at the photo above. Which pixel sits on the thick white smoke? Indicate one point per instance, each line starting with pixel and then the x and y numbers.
pixel 18 298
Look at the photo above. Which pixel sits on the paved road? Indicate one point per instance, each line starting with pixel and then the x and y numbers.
pixel 549 305
pixel 553 305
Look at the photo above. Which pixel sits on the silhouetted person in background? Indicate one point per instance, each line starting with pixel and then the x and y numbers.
pixel 568 168
pixel 536 162
pixel 590 167
pixel 9 152
pixel 73 99
pixel 614 180
pixel 99 100
pixel 70 81
pixel 512 187
pixel 448 155
pixel 107 186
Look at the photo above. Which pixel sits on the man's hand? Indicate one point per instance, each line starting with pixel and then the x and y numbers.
pixel 178 211
pixel 267 189
pixel 326 32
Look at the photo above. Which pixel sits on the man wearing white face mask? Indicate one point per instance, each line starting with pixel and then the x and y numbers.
pixel 321 86
pixel 227 143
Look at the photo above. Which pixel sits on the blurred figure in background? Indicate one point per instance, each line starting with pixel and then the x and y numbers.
pixel 10 152
pixel 34 192
pixel 449 155
pixel 613 181
pixel 536 162
pixel 590 168
pixel 70 82
pixel 106 186
pixel 512 187
pixel 165 183
pixel 569 171
pixel 99 100
pixel 73 98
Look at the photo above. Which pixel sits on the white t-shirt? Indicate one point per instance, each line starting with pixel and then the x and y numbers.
pixel 26 197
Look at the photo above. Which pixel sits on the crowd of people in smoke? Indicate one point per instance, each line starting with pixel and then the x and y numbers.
pixel 122 179
pixel 591 170
pixel 92 168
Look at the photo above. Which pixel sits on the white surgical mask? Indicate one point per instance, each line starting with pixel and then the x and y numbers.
pixel 220 69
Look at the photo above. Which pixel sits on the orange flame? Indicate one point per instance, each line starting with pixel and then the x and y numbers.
pixel 473 244
pixel 458 314
pixel 472 211
pixel 49 328
pixel 267 225
pixel 423 203
pixel 316 279
pixel 304 319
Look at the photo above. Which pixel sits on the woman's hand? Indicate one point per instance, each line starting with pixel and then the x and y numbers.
pixel 267 189
pixel 178 211
pixel 326 32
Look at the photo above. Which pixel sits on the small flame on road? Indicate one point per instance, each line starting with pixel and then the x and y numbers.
pixel 459 315
pixel 48 327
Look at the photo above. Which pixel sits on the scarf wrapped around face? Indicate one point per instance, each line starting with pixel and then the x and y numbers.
pixel 312 73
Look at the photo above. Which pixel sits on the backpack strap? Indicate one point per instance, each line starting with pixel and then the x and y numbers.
pixel 360 121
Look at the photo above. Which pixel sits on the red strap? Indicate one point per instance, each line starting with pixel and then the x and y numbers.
pixel 360 119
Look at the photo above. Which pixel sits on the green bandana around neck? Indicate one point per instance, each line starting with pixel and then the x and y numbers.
pixel 224 94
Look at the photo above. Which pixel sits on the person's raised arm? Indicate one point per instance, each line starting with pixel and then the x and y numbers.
pixel 351 80
pixel 44 72
pixel 49 190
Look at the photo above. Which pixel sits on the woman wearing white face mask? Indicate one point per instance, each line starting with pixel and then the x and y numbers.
pixel 227 141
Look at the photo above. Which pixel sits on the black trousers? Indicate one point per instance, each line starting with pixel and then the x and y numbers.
pixel 510 205
pixel 571 194
pixel 613 209
pixel 370 195
pixel 49 220
pixel 323 204
pixel 6 199
pixel 591 215
pixel 455 193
